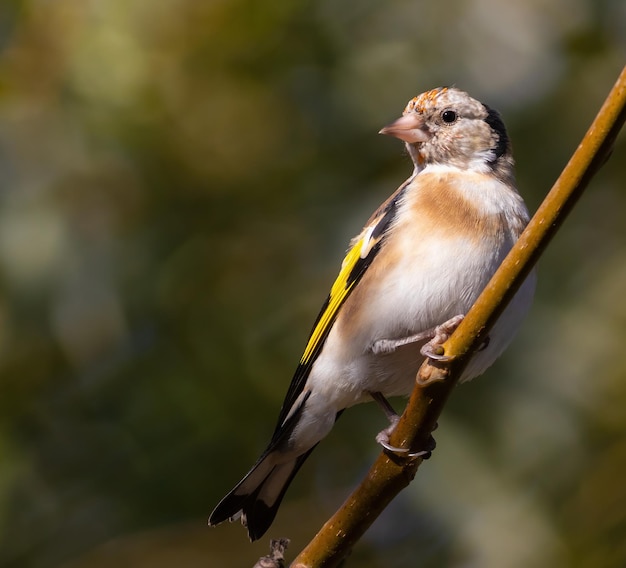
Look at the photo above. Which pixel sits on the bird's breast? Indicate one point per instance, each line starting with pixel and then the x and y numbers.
pixel 447 239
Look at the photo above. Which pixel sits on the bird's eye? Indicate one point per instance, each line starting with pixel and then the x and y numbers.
pixel 448 116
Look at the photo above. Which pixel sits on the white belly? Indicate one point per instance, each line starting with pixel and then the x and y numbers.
pixel 409 300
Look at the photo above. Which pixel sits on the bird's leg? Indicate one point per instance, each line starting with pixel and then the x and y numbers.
pixel 383 436
pixel 433 349
pixel 384 346
pixel 437 336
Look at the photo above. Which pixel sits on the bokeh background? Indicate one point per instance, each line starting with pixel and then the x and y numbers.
pixel 178 183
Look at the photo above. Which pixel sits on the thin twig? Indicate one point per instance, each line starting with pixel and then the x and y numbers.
pixel 276 557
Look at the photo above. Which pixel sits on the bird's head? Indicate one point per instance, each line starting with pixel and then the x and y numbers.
pixel 447 126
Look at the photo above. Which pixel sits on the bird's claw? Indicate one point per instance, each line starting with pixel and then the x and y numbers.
pixel 429 351
pixel 405 452
pixel 434 348
pixel 383 439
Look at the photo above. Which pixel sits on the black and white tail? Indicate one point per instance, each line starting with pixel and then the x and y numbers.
pixel 256 498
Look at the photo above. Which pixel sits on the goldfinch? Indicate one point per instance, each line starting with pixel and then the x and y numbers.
pixel 407 279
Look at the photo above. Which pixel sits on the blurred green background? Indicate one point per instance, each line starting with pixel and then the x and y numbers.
pixel 178 183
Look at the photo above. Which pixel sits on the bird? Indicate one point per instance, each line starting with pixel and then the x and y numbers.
pixel 406 282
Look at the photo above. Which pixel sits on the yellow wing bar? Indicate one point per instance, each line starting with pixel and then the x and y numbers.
pixel 340 289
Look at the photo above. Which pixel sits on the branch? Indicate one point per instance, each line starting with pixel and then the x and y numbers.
pixel 390 474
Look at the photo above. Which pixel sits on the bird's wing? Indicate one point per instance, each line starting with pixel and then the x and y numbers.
pixel 362 252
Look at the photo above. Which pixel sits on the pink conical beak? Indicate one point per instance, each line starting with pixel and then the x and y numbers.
pixel 409 127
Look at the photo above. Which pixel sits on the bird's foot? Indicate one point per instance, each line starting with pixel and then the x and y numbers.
pixel 383 436
pixel 434 348
pixel 383 439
